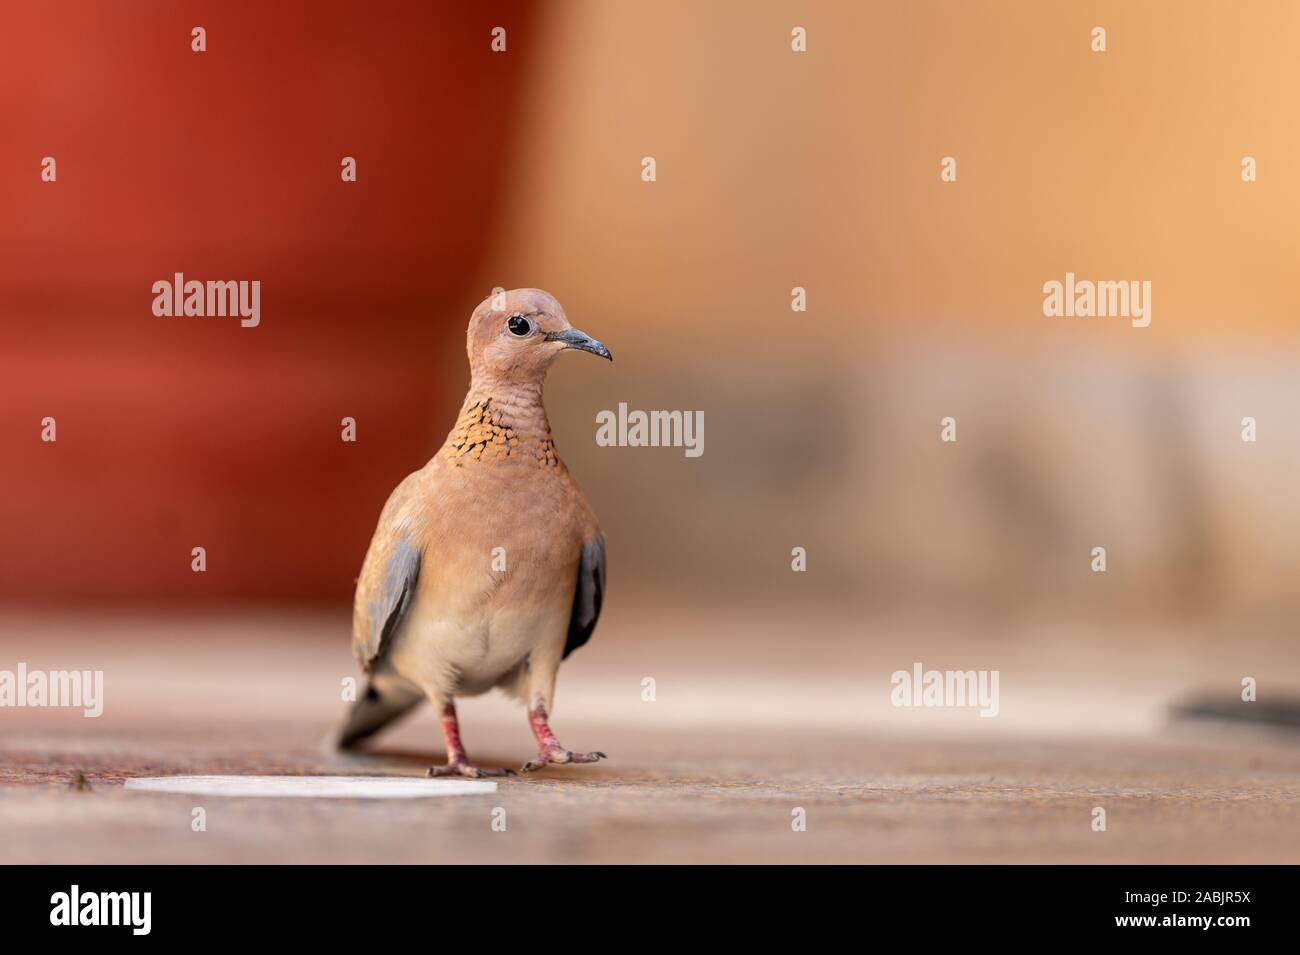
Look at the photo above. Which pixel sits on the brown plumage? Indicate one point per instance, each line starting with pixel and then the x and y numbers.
pixel 487 567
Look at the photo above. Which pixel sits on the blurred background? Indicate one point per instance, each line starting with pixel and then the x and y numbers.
pixel 775 169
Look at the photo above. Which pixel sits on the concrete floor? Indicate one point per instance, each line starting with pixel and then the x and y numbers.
pixel 700 775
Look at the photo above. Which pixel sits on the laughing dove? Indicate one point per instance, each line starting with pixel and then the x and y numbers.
pixel 487 567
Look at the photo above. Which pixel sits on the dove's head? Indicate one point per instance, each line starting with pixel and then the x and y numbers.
pixel 514 336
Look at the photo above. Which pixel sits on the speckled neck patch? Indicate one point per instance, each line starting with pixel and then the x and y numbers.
pixel 482 433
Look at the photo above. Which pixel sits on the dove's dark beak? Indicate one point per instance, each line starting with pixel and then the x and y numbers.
pixel 580 340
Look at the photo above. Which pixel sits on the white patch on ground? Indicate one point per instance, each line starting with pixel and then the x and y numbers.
pixel 312 787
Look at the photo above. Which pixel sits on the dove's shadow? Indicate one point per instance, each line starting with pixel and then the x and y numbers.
pixel 415 759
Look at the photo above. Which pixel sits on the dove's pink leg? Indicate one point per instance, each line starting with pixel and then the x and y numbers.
pixel 549 749
pixel 458 763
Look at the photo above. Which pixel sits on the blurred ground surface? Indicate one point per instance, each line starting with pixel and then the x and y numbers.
pixel 709 771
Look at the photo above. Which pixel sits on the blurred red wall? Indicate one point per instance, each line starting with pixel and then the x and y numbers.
pixel 183 432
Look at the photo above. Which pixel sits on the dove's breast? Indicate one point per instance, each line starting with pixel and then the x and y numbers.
pixel 501 548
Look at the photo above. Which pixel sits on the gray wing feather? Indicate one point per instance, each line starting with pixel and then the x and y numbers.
pixel 385 611
pixel 589 594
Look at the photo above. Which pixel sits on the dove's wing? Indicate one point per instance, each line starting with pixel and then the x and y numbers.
pixel 388 578
pixel 588 595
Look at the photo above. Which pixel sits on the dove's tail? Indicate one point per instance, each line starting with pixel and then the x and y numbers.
pixel 374 710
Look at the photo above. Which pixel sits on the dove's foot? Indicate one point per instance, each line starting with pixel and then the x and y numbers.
pixel 461 768
pixel 458 763
pixel 550 752
pixel 558 757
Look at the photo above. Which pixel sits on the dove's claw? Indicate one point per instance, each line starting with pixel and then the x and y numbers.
pixel 459 768
pixel 558 756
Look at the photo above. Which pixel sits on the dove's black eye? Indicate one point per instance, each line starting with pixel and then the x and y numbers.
pixel 519 325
